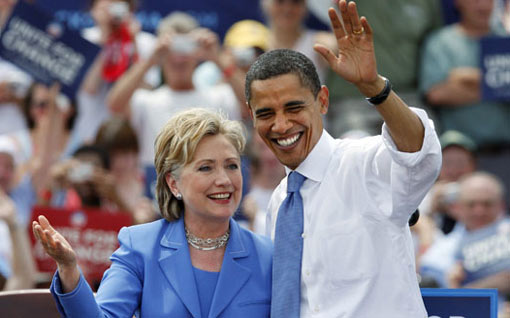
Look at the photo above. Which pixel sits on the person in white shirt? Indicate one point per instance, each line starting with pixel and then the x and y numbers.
pixel 358 195
pixel 118 33
pixel 182 44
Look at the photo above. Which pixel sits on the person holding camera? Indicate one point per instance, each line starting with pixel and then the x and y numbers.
pixel 122 43
pixel 182 44
pixel 85 181
pixel 196 261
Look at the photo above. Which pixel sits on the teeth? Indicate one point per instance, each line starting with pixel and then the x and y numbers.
pixel 288 141
pixel 220 196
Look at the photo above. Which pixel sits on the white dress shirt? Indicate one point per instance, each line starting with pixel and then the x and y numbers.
pixel 358 259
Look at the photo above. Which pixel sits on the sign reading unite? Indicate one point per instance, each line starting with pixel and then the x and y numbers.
pixel 49 52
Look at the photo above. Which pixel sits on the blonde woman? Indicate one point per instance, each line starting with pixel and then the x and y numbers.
pixel 196 261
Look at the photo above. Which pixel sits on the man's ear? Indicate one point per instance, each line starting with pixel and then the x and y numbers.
pixel 172 184
pixel 323 98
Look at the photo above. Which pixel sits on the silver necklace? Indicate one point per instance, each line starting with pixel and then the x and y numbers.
pixel 206 244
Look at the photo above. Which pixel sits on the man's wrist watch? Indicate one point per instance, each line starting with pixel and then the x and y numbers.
pixel 383 95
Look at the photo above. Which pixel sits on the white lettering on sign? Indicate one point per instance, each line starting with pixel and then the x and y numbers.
pixel 59 60
pixel 93 245
pixel 498 70
pixel 488 251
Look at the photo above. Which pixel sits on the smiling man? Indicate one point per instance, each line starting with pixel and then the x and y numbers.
pixel 339 219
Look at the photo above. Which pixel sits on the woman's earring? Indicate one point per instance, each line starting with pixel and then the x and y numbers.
pixel 178 196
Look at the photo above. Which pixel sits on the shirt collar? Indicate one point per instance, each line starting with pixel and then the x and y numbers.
pixel 315 166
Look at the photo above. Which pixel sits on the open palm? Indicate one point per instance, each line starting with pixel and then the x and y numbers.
pixel 54 244
pixel 356 58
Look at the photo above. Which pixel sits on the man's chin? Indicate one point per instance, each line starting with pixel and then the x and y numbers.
pixel 289 161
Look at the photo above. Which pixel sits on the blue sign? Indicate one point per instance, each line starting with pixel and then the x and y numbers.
pixel 460 303
pixel 216 15
pixel 495 62
pixel 46 49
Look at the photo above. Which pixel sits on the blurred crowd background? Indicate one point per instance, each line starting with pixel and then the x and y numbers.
pixel 95 151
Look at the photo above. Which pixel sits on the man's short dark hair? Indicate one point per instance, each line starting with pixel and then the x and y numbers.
pixel 280 62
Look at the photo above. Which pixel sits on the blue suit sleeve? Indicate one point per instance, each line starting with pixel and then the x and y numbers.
pixel 78 303
pixel 119 292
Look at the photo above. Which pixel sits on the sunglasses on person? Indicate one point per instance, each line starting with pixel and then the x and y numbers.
pixel 40 104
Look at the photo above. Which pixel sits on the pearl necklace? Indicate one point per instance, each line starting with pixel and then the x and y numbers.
pixel 206 244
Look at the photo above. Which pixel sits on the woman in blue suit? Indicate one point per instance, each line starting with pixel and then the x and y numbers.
pixel 196 261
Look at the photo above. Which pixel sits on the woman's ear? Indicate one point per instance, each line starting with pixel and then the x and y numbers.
pixel 172 184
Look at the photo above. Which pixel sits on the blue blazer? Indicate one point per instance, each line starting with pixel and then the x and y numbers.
pixel 151 276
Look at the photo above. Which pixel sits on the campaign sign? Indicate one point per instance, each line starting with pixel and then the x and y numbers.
pixel 46 49
pixel 460 303
pixel 495 62
pixel 91 233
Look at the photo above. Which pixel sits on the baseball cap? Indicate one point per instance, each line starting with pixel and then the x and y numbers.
pixel 456 138
pixel 247 33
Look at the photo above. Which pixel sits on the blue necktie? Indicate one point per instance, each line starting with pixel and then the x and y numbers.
pixel 288 249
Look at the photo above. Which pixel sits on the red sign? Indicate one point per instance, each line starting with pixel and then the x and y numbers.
pixel 91 233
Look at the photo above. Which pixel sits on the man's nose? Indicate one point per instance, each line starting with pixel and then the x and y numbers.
pixel 281 124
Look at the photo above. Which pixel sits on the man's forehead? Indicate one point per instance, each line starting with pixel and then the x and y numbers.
pixel 290 83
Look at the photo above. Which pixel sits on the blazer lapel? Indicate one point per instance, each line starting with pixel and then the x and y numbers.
pixel 232 275
pixel 175 263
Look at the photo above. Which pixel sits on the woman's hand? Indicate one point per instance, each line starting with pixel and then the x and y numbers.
pixel 57 247
pixel 54 244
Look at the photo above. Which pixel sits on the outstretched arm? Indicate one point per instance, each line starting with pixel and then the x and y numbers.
pixel 120 94
pixel 57 247
pixel 356 63
pixel 23 266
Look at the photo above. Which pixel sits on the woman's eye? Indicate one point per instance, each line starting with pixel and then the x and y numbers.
pixel 233 166
pixel 204 168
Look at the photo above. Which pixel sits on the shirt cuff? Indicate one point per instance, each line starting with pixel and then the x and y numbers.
pixel 80 300
pixel 430 142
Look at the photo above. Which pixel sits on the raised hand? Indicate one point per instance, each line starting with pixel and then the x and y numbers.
pixel 57 247
pixel 208 43
pixel 54 244
pixel 356 58
pixel 7 209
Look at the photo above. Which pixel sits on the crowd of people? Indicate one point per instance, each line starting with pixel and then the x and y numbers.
pixel 162 136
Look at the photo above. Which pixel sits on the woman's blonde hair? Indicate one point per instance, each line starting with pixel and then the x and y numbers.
pixel 175 147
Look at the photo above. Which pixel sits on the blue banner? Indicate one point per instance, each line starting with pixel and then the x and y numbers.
pixel 217 15
pixel 460 303
pixel 495 62
pixel 46 49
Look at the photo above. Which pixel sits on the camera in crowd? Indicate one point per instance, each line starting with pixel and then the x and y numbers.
pixel 183 44
pixel 80 173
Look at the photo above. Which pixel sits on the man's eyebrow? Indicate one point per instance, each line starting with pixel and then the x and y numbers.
pixel 262 110
pixel 294 103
